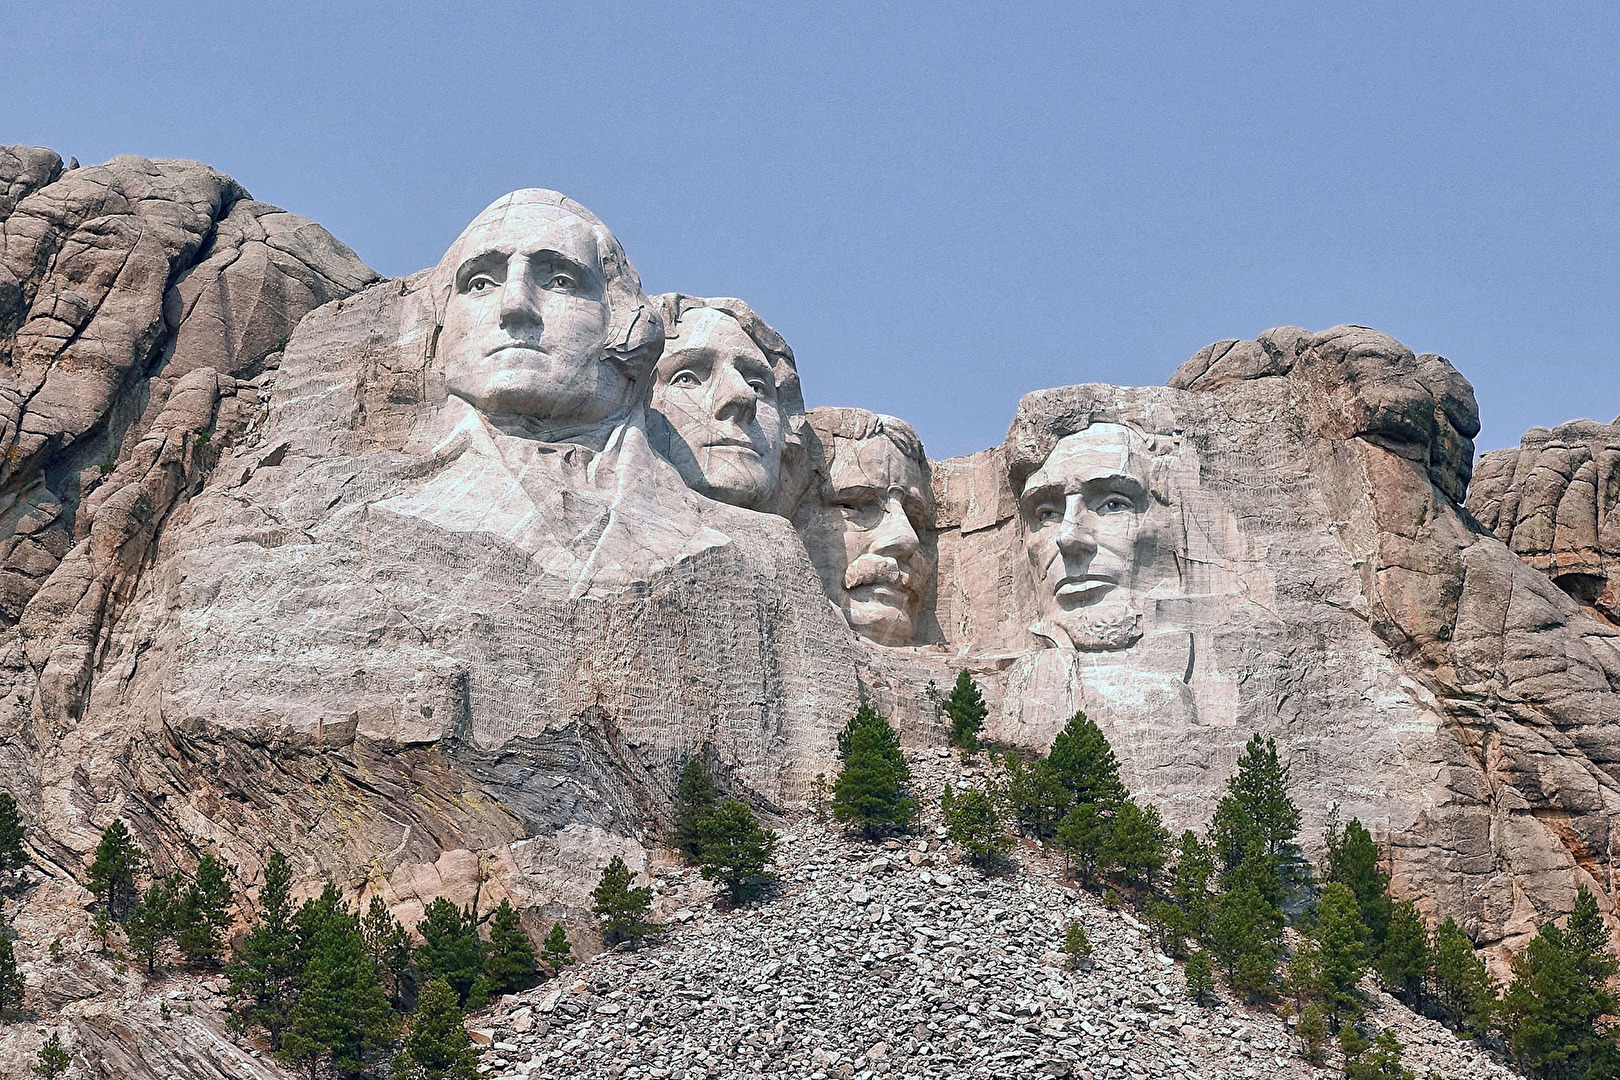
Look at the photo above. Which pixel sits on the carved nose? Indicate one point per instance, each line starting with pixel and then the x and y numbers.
pixel 520 302
pixel 895 537
pixel 1075 537
pixel 733 398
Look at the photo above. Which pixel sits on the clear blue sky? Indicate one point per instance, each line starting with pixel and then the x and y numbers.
pixel 941 206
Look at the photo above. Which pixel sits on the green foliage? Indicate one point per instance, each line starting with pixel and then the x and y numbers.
pixel 971 821
pixel 1195 867
pixel 625 911
pixel 437 1046
pixel 1312 1030
pixel 966 711
pixel 53 1060
pixel 1551 1013
pixel 1352 860
pixel 1137 842
pixel 1405 961
pixel 509 963
pixel 112 872
pixel 152 924
pixel 872 792
pixel 389 946
pixel 1462 983
pixel 263 969
pixel 556 950
pixel 1256 810
pixel 1341 938
pixel 1036 798
pixel 1082 836
pixel 451 951
pixel 1201 977
pixel 341 1017
pixel 13 856
pixel 1084 764
pixel 11 980
pixel 1378 1060
pixel 1245 936
pixel 1170 924
pixel 695 798
pixel 1075 944
pixel 1257 871
pixel 736 850
pixel 202 913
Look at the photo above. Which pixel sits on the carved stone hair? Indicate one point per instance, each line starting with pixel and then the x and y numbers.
pixel 831 423
pixel 635 333
pixel 673 307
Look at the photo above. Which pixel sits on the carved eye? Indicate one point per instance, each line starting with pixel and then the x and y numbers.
pixel 686 378
pixel 480 282
pixel 860 513
pixel 1048 514
pixel 561 281
pixel 761 387
pixel 1115 504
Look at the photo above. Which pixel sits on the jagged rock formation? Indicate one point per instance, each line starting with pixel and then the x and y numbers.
pixel 1552 500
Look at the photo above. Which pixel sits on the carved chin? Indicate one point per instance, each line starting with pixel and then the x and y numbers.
pixel 734 475
pixel 880 622
pixel 1116 626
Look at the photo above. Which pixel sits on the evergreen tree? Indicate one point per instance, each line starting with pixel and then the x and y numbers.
pixel 13 856
pixel 1171 926
pixel 1303 980
pixel 1035 796
pixel 966 711
pixel 1083 837
pixel 1381 1060
pixel 1462 983
pixel 736 850
pixel 1552 1012
pixel 264 967
pixel 556 950
pixel 872 791
pixel 1085 765
pixel 1352 860
pixel 1259 872
pixel 451 951
pixel 1405 960
pixel 437 1046
pixel 1195 866
pixel 1245 936
pixel 1256 808
pixel 389 946
pixel 203 913
pixel 1137 842
pixel 11 980
pixel 509 965
pixel 972 823
pixel 1341 938
pixel 341 1017
pixel 695 799
pixel 1313 1034
pixel 1076 945
pixel 53 1060
pixel 625 911
pixel 112 873
pixel 152 924
pixel 1200 977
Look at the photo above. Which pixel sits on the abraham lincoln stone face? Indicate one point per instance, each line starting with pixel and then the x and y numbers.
pixel 1083 514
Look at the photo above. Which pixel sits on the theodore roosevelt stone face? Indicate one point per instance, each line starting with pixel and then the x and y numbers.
pixel 543 318
pixel 1083 512
pixel 716 389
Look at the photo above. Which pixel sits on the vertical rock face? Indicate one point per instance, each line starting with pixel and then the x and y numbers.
pixel 1554 500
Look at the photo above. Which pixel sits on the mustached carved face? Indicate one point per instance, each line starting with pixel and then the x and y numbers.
pixel 1083 513
pixel 716 390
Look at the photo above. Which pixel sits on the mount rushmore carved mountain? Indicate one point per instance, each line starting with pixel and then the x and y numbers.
pixel 434 583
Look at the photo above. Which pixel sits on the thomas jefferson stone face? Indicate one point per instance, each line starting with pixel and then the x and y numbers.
pixel 527 316
pixel 1083 512
pixel 716 388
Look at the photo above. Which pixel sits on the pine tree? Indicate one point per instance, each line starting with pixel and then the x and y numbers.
pixel 13 856
pixel 437 1046
pixel 695 799
pixel 1195 867
pixel 1137 842
pixel 264 967
pixel 11 980
pixel 1171 926
pixel 450 950
pixel 509 963
pixel 1552 1011
pixel 625 911
pixel 966 711
pixel 1313 1034
pixel 203 913
pixel 1085 765
pixel 1256 808
pixel 872 791
pixel 389 946
pixel 112 873
pixel 151 925
pixel 1379 1061
pixel 972 823
pixel 736 850
pixel 1245 936
pixel 557 951
pixel 1341 937
pixel 1462 983
pixel 1352 860
pixel 1200 977
pixel 1082 836
pixel 1405 961
pixel 1035 796
pixel 342 1017
pixel 1076 945
pixel 53 1059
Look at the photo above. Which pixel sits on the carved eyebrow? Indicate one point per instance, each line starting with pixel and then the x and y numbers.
pixel 748 365
pixel 483 261
pixel 1118 484
pixel 552 259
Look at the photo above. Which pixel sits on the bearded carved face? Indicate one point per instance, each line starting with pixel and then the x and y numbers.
pixel 1084 512
pixel 716 391
pixel 866 533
